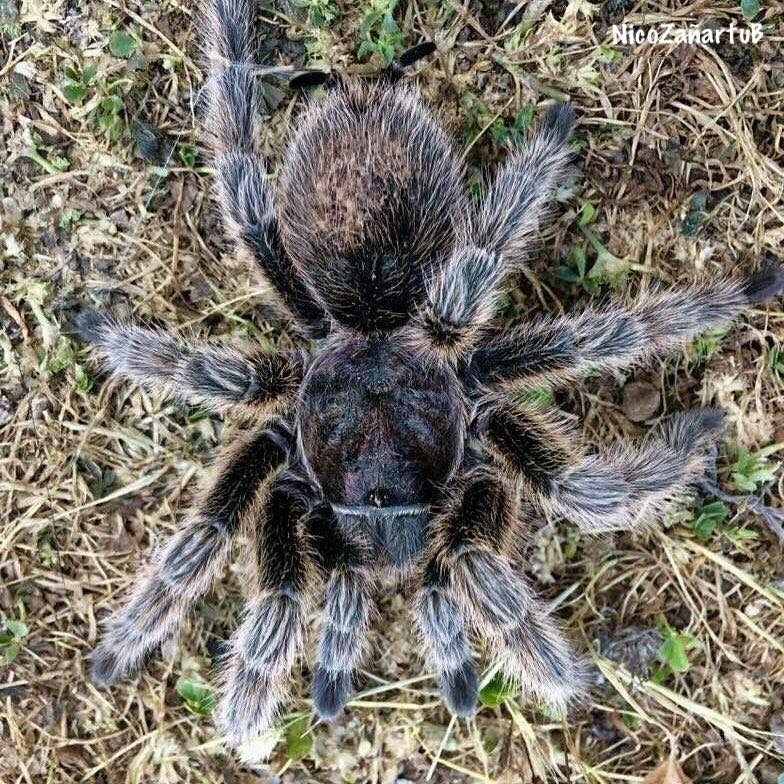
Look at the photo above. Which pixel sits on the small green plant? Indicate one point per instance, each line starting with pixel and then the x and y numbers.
pixel 750 8
pixel 34 292
pixel 108 115
pixel 188 155
pixel 605 268
pixel 554 56
pixel 490 739
pixel 108 111
pixel 513 132
pixel 77 82
pixel 299 739
pixel 696 215
pixel 578 271
pixel 83 381
pixel 70 216
pixel 741 533
pixel 122 44
pixel 608 54
pixel 321 13
pixel 198 698
pixel 46 551
pixel 58 358
pixel 55 352
pixel 586 213
pixel 708 517
pixel 11 639
pixel 54 164
pixel 9 20
pixel 380 33
pixel 706 345
pixel 517 35
pixel 776 362
pixel 476 115
pixel 673 652
pixel 492 694
pixel 751 469
pixel 632 720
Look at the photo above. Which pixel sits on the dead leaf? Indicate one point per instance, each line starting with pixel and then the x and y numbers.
pixel 669 772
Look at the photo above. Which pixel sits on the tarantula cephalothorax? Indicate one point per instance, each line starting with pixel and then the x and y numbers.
pixel 397 443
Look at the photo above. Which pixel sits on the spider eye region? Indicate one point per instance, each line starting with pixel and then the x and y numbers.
pixel 380 425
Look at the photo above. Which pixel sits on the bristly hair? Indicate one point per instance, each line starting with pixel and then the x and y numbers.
pixel 232 132
pixel 530 442
pixel 461 300
pixel 518 197
pixel 527 644
pixel 379 153
pixel 403 446
pixel 216 375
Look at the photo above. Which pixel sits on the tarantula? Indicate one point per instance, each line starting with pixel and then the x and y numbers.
pixel 398 441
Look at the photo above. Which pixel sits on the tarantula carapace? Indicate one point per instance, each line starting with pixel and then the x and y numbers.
pixel 398 442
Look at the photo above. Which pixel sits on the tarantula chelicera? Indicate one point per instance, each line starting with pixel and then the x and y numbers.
pixel 398 441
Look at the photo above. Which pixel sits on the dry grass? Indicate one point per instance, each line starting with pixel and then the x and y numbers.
pixel 92 474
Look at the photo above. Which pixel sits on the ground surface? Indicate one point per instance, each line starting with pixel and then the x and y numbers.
pixel 679 173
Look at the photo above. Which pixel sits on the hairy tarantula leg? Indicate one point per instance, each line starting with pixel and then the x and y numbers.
pixel 217 375
pixel 243 191
pixel 557 349
pixel 341 643
pixel 346 613
pixel 462 297
pixel 535 444
pixel 512 210
pixel 184 568
pixel 528 645
pixel 474 580
pixel 265 646
pixel 625 486
pixel 617 488
pixel 442 625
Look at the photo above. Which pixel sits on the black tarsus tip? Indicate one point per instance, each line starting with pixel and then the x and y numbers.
pixel 416 52
pixel 330 691
pixel 766 283
pixel 306 79
pixel 88 325
pixel 395 70
pixel 711 419
pixel 559 120
pixel 460 689
pixel 104 667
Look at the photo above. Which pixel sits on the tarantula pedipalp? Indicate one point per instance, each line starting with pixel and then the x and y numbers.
pixel 381 448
